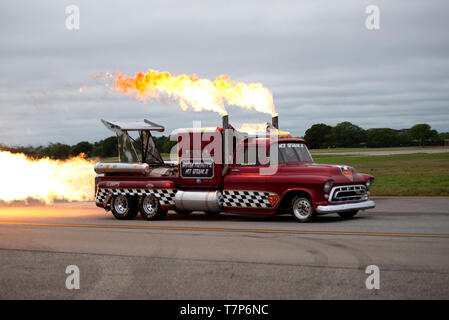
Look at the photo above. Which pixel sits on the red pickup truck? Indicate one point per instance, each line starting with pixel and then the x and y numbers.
pixel 220 169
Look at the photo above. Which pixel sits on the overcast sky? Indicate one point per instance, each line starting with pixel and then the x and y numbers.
pixel 317 57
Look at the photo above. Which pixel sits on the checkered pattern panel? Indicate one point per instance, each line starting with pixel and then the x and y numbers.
pixel 165 196
pixel 101 195
pixel 246 199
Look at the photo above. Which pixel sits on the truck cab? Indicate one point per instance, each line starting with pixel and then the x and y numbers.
pixel 220 169
pixel 299 186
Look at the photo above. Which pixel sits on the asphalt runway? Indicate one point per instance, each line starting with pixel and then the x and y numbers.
pixel 198 256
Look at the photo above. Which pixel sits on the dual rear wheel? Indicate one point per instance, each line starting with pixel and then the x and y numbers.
pixel 150 208
pixel 123 207
pixel 127 207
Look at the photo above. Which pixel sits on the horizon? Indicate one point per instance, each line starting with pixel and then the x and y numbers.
pixel 163 134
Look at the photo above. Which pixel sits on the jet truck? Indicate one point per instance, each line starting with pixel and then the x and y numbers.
pixel 221 169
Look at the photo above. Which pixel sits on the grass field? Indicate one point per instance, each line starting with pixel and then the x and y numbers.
pixel 416 174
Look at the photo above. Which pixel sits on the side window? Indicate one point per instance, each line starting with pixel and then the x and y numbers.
pixel 247 156
pixel 252 156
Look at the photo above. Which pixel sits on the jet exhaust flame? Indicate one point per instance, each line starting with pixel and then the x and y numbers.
pixel 48 180
pixel 261 129
pixel 45 179
pixel 196 93
pixel 253 127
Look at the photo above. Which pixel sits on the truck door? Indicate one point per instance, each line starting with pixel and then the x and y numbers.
pixel 244 188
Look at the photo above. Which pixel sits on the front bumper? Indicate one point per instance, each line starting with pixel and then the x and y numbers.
pixel 333 208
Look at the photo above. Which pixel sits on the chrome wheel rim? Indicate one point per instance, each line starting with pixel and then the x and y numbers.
pixel 149 204
pixel 121 204
pixel 302 208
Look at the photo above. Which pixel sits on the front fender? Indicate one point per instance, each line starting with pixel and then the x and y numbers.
pixel 314 192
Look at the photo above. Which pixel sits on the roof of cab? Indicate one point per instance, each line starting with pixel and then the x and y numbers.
pixel 268 140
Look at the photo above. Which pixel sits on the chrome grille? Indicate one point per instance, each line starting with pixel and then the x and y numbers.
pixel 348 193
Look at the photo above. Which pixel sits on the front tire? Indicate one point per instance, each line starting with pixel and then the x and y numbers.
pixel 347 214
pixel 150 208
pixel 123 207
pixel 302 209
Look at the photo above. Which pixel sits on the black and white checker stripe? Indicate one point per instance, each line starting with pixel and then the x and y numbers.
pixel 101 195
pixel 165 196
pixel 247 199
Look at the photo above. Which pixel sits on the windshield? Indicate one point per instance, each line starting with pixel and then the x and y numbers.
pixel 294 152
pixel 289 152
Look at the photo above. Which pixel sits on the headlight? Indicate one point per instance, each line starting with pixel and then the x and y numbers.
pixel 369 183
pixel 328 185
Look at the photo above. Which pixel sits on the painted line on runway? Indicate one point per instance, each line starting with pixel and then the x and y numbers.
pixel 37 224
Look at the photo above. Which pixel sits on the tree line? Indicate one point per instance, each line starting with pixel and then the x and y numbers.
pixel 346 134
pixel 343 135
pixel 105 148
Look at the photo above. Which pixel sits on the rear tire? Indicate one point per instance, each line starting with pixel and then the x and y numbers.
pixel 123 207
pixel 347 214
pixel 150 208
pixel 302 209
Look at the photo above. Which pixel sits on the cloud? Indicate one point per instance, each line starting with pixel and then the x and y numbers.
pixel 317 58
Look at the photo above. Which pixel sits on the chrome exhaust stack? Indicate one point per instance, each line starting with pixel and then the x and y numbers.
pixel 225 144
pixel 275 122
pixel 225 122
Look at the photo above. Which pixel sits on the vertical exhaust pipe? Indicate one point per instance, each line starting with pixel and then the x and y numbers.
pixel 225 147
pixel 225 122
pixel 275 121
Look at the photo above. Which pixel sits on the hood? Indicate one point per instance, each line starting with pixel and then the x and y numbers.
pixel 341 174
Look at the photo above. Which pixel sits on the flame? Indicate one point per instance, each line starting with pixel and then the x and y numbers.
pixel 261 128
pixel 45 179
pixel 253 127
pixel 249 96
pixel 196 93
